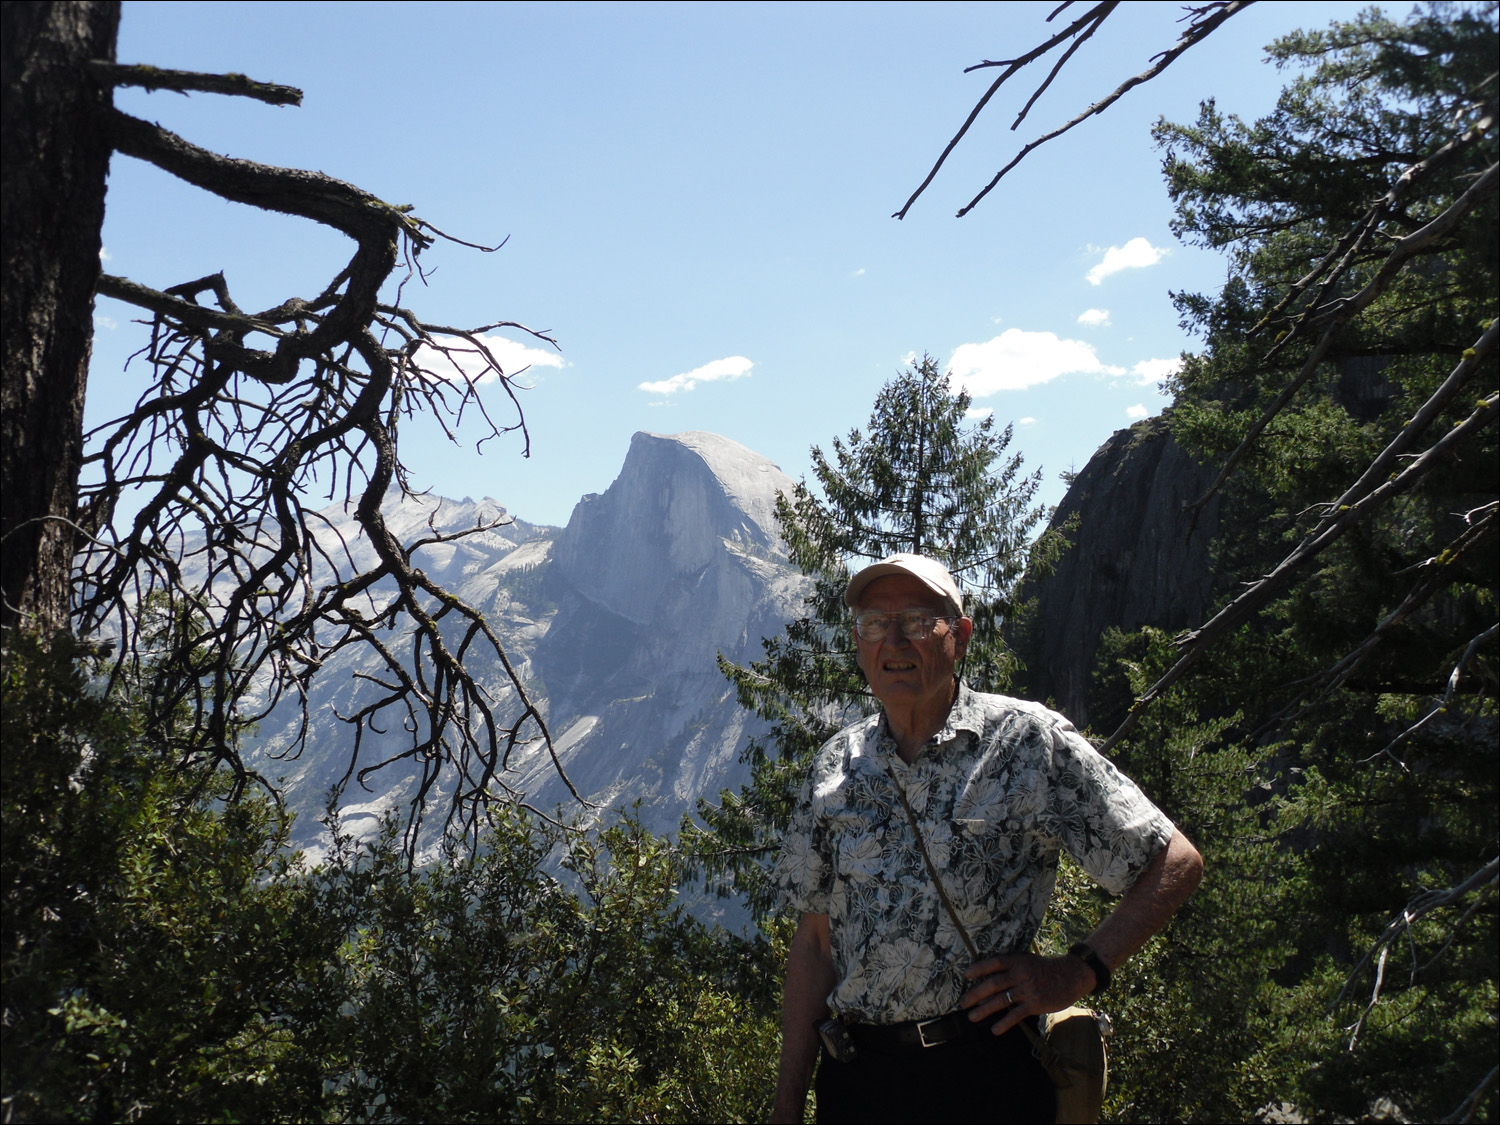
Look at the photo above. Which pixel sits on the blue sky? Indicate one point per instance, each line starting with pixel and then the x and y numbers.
pixel 697 199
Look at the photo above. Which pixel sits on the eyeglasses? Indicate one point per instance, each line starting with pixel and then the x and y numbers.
pixel 916 624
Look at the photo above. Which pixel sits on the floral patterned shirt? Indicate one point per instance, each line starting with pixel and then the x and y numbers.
pixel 998 792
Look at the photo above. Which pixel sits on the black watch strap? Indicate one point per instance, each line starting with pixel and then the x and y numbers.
pixel 1094 962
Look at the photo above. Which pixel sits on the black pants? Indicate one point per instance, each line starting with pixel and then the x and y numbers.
pixel 991 1079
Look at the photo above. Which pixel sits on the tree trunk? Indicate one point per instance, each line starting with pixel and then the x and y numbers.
pixel 54 153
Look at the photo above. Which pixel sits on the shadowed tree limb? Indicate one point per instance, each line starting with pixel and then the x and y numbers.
pixel 156 78
pixel 247 416
pixel 1483 880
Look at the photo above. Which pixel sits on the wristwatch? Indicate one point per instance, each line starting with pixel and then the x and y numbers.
pixel 1094 962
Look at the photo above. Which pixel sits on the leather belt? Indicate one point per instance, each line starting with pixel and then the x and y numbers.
pixel 915 1035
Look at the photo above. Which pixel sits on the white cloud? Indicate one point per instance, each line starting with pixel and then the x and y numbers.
pixel 1028 421
pixel 1015 360
pixel 731 367
pixel 1153 371
pixel 463 357
pixel 106 322
pixel 858 273
pixel 1094 318
pixel 978 413
pixel 1137 411
pixel 104 254
pixel 1135 254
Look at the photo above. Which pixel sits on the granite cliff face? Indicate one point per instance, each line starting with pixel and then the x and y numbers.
pixel 613 623
pixel 675 563
pixel 1133 561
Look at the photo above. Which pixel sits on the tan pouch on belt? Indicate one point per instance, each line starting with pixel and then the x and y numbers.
pixel 1073 1055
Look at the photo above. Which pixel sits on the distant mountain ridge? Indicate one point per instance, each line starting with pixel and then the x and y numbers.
pixel 613 624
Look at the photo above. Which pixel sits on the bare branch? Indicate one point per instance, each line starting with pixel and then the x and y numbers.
pixel 1346 513
pixel 156 78
pixel 1200 29
pixel 218 458
pixel 1337 262
pixel 1206 19
pixel 1437 574
pixel 1470 1105
pixel 1419 907
pixel 152 300
pixel 1418 423
pixel 1095 16
pixel 1441 707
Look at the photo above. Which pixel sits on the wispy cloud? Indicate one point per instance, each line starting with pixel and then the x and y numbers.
pixel 731 367
pixel 1094 318
pixel 859 272
pixel 1027 421
pixel 1015 360
pixel 1153 371
pixel 462 358
pixel 104 254
pixel 978 413
pixel 1135 254
pixel 1137 411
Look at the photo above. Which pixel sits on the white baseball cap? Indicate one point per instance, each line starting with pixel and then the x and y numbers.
pixel 931 573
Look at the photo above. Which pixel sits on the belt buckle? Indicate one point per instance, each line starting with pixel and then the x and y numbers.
pixel 922 1032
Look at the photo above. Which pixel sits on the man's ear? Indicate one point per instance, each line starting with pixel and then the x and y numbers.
pixel 963 629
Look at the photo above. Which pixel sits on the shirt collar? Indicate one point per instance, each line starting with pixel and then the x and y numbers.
pixel 965 714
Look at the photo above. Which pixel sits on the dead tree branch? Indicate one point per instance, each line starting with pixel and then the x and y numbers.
pixel 1205 20
pixel 228 592
pixel 1425 903
pixel 1442 705
pixel 1337 314
pixel 1347 511
pixel 1470 1105
pixel 1436 573
pixel 1089 20
pixel 156 78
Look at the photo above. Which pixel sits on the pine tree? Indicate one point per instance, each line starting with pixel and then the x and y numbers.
pixel 1334 755
pixel 921 478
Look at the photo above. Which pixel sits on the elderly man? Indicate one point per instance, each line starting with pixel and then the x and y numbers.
pixel 996 787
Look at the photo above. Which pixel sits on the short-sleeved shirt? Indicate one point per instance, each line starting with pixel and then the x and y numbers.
pixel 998 792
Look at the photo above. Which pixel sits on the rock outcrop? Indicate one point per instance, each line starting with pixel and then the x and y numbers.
pixel 1134 561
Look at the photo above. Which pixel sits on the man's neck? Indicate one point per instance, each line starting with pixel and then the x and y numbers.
pixel 913 727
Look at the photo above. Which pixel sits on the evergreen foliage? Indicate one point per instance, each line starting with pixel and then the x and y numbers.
pixel 1334 758
pixel 166 958
pixel 921 478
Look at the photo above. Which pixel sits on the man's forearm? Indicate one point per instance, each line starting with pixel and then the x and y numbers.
pixel 809 980
pixel 1145 908
pixel 1013 986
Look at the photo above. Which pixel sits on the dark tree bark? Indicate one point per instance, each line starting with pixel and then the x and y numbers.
pixel 54 152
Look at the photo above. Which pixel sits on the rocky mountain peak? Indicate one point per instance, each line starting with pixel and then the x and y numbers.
pixel 682 505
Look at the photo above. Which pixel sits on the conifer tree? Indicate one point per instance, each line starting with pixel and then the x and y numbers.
pixel 1334 756
pixel 922 477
